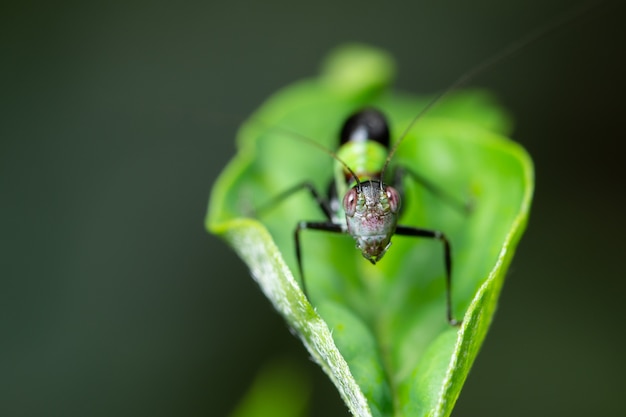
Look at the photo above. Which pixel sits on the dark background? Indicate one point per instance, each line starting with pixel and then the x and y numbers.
pixel 115 301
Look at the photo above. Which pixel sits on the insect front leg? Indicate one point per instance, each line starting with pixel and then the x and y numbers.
pixel 435 234
pixel 398 182
pixel 323 204
pixel 324 226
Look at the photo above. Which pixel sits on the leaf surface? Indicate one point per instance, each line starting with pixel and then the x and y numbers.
pixel 380 331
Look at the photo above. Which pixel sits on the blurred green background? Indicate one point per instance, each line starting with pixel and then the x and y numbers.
pixel 115 301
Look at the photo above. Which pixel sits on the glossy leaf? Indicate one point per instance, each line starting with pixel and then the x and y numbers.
pixel 380 331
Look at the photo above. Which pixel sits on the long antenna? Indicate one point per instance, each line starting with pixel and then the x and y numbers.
pixel 312 142
pixel 508 51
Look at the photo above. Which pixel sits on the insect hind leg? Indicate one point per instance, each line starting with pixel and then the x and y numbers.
pixel 401 172
pixel 319 199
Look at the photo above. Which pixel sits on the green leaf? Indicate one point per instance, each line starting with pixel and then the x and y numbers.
pixel 380 331
pixel 279 390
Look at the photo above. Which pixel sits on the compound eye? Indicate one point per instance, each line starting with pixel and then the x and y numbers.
pixel 349 202
pixel 394 199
